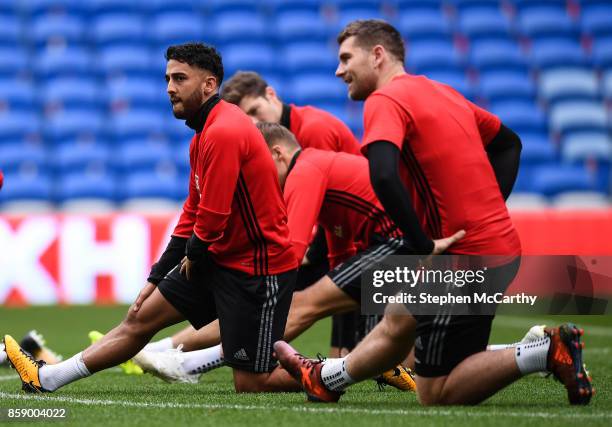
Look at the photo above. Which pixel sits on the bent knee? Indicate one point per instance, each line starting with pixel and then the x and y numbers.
pixel 398 327
pixel 133 324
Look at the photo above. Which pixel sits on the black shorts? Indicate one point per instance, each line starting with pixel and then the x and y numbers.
pixel 347 276
pixel 252 310
pixel 348 329
pixel 445 340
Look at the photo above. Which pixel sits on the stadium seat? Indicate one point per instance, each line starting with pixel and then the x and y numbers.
pixel 596 19
pixel 484 23
pixel 177 27
pixel 572 116
pixel 417 24
pixel 456 79
pixel 552 180
pixel 240 27
pixel 526 201
pixel 216 7
pixel 550 53
pixel 587 146
pixel 463 6
pixel 67 124
pixel 142 155
pixel 55 29
pixel 13 61
pixel 131 92
pixel 351 14
pixel 257 57
pixel 36 8
pixel 135 124
pixel 301 25
pixel 171 6
pixel 86 185
pixel 19 156
pixel 10 31
pixel 16 125
pixel 81 158
pixel 546 21
pixel 281 6
pixel 98 7
pixel 72 93
pixel 602 53
pixel 155 184
pixel 588 200
pixel 308 57
pixel 176 131
pixel 429 56
pixel 607 85
pixel 537 149
pixel 498 86
pixel 497 55
pixel 567 83
pixel 521 116
pixel 125 59
pixel 30 185
pixel 63 61
pixel 520 5
pixel 118 28
pixel 317 89
pixel 17 94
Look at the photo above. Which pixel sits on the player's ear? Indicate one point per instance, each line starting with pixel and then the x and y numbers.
pixel 209 84
pixel 270 93
pixel 378 53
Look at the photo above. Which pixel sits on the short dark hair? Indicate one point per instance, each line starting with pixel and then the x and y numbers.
pixel 243 83
pixel 199 55
pixel 370 32
pixel 274 132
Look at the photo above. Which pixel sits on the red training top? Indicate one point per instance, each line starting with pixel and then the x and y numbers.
pixel 235 202
pixel 444 165
pixel 334 190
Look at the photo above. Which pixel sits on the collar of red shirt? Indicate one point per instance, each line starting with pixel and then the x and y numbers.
pixel 198 121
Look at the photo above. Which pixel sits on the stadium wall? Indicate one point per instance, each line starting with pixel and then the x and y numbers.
pixel 80 259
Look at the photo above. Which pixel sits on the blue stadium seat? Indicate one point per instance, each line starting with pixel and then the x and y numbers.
pixel 118 28
pixel 607 85
pixel 552 180
pixel 176 130
pixel 416 24
pixel 427 56
pixel 57 29
pixel 596 20
pixel 602 52
pixel 168 6
pixel 497 55
pixel 72 93
pixel 154 184
pixel 419 4
pixel 521 116
pixel 16 156
pixel 221 6
pixel 13 62
pixel 510 85
pixel 81 158
pixel 301 25
pixel 317 89
pixel 258 57
pixel 568 83
pixel 484 23
pixel 16 125
pixel 537 149
pixel 125 59
pixel 98 7
pixel 456 79
pixel 132 92
pixel 86 185
pixel 546 21
pixel 10 30
pixel 36 8
pixel 587 146
pixel 359 4
pixel 573 116
pixel 17 94
pixel 550 53
pixel 281 6
pixel 240 27
pixel 465 5
pixel 142 155
pixel 67 124
pixel 135 124
pixel 521 5
pixel 307 57
pixel 177 27
pixel 68 61
pixel 351 14
pixel 26 186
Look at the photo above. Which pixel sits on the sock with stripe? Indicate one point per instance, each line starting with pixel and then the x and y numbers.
pixel 334 374
pixel 53 377
pixel 532 357
pixel 161 345
pixel 494 347
pixel 200 361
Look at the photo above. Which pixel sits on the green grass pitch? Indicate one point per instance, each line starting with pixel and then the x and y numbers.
pixel 112 398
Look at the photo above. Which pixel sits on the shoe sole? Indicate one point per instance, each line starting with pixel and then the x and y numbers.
pixel 570 335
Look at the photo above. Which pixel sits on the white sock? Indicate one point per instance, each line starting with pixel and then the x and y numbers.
pixel 200 361
pixel 494 347
pixel 161 345
pixel 531 357
pixel 334 374
pixel 2 354
pixel 53 377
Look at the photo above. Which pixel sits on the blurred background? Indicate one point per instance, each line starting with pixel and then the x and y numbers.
pixel 86 128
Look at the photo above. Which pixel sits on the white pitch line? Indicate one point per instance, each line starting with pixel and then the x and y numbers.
pixel 309 409
pixel 8 377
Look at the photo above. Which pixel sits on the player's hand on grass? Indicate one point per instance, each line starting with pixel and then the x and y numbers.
pixel 441 245
pixel 186 267
pixel 143 295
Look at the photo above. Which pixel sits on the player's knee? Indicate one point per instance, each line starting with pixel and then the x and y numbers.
pixel 134 325
pixel 398 327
